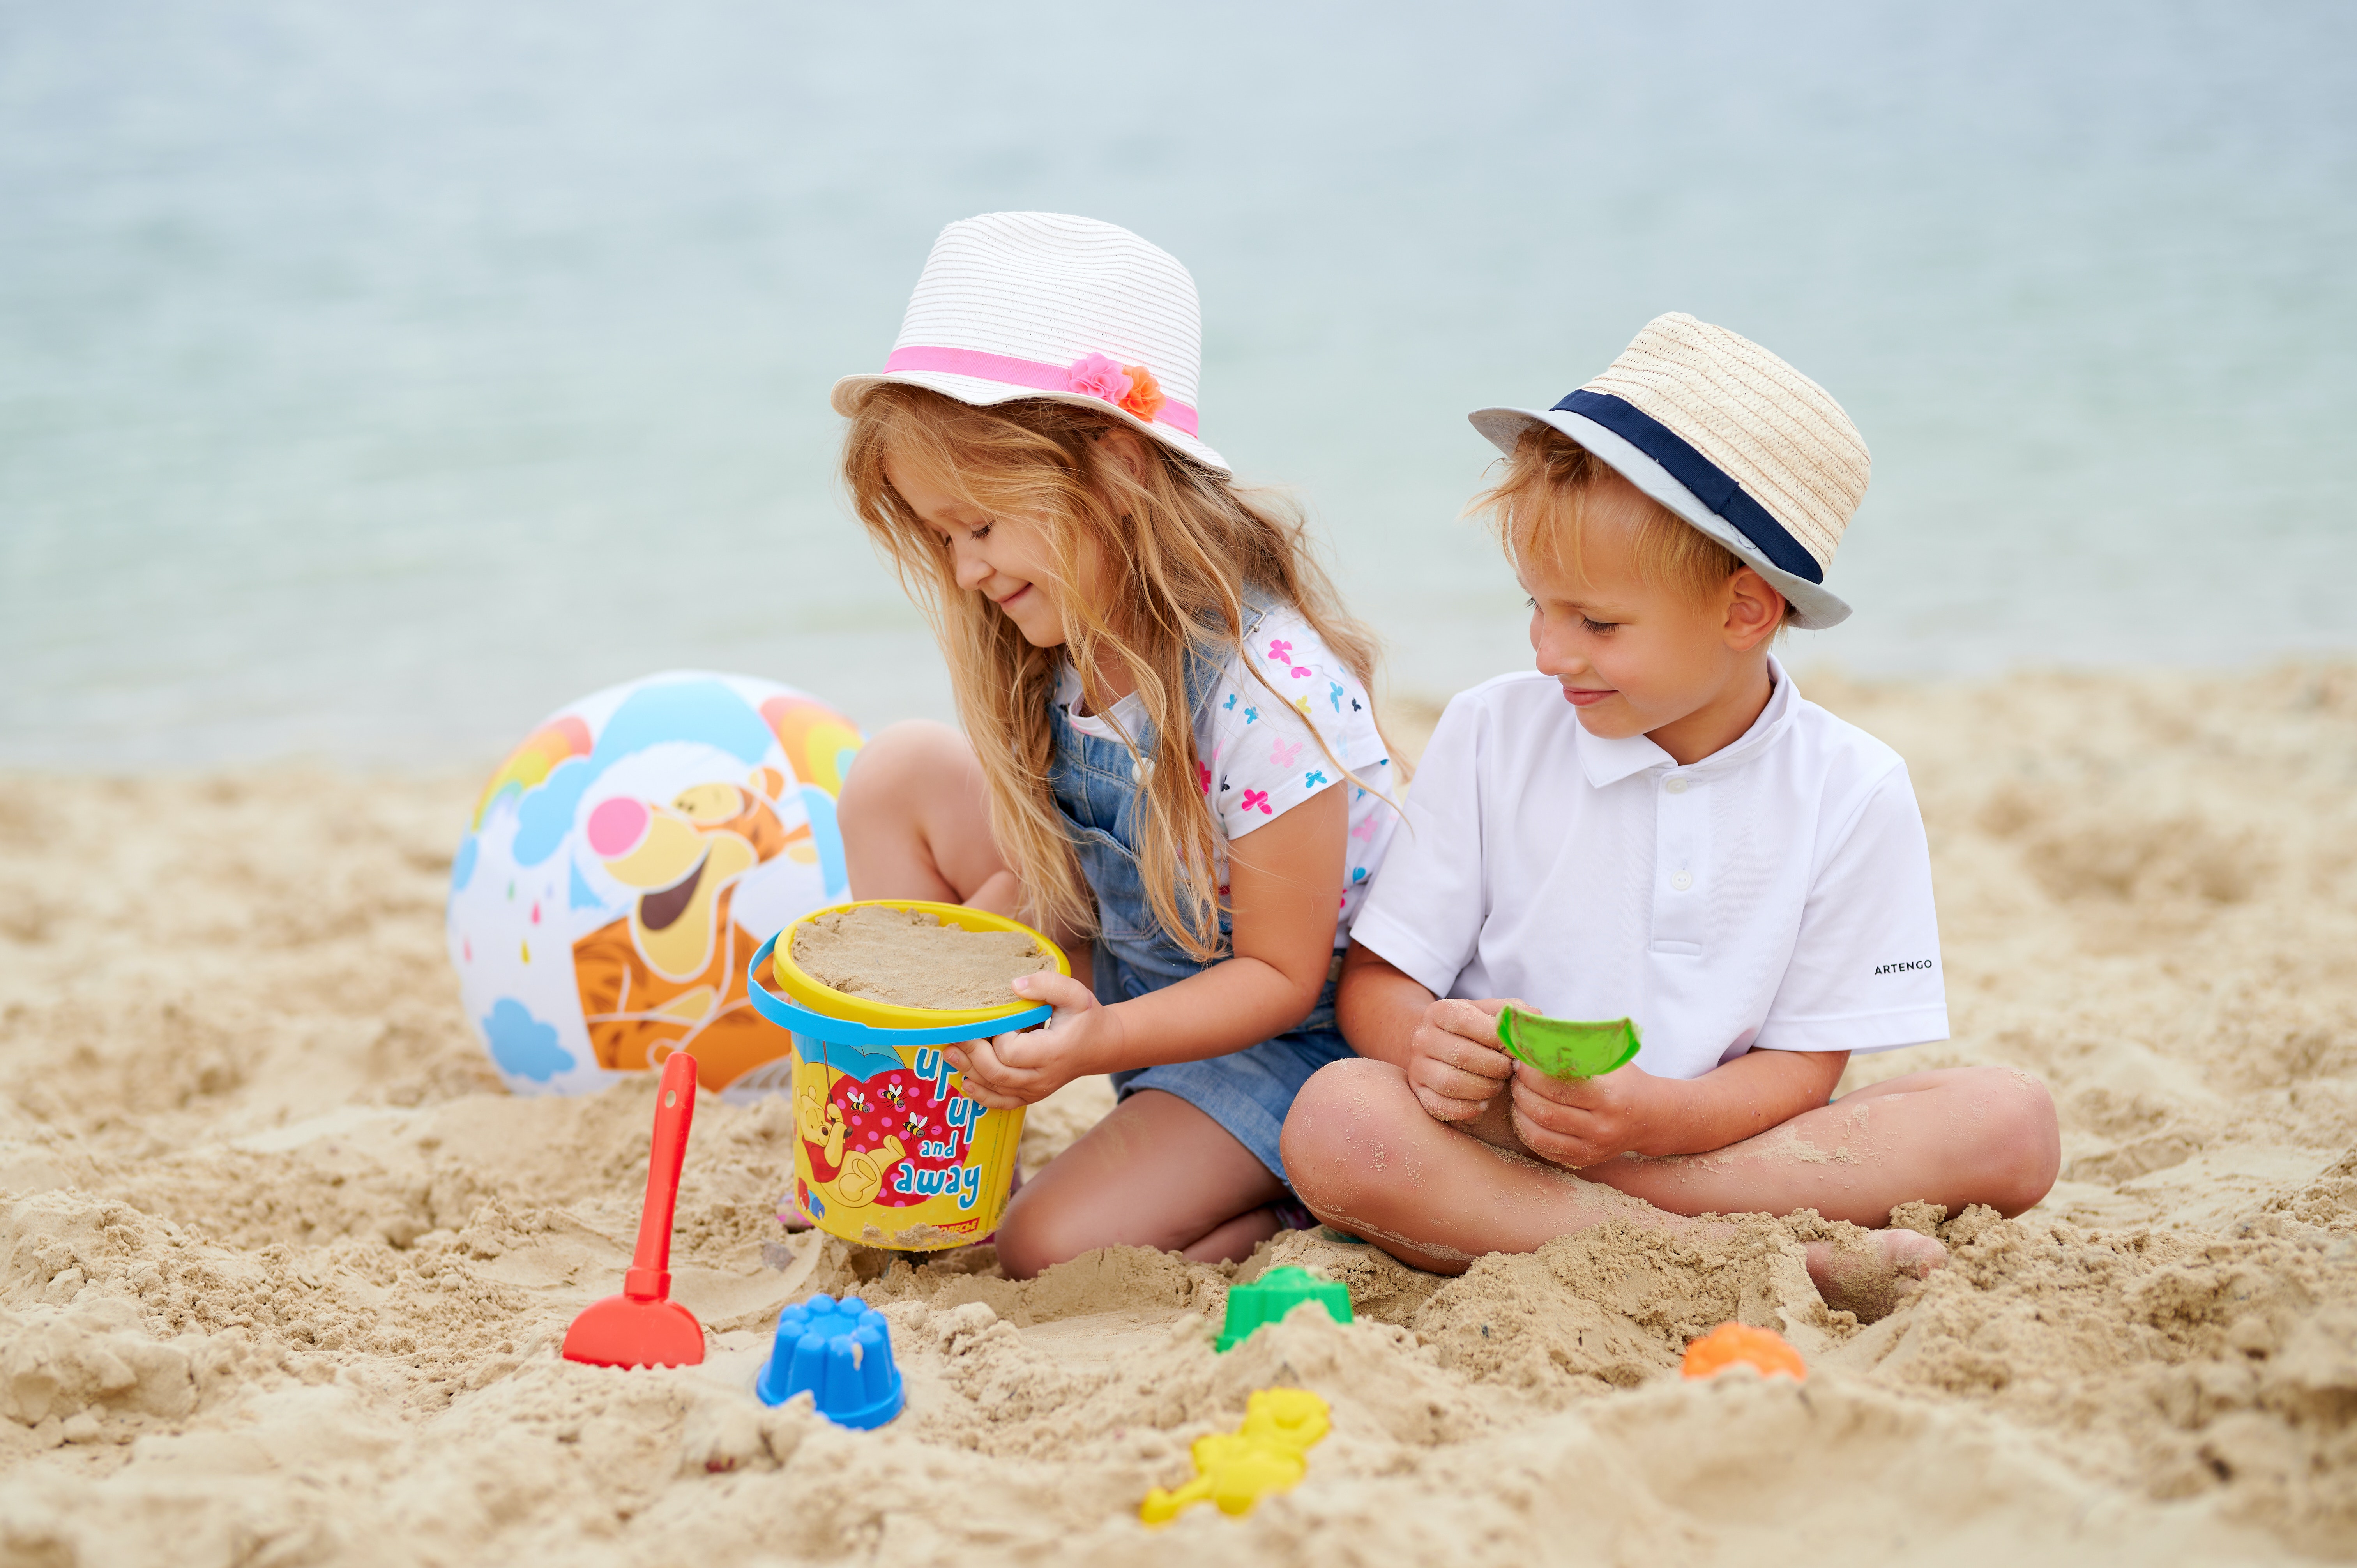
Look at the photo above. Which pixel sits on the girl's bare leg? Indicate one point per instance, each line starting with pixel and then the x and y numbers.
pixel 1156 1173
pixel 915 817
pixel 1365 1157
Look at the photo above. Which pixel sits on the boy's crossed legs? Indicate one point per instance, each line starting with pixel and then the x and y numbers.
pixel 1365 1156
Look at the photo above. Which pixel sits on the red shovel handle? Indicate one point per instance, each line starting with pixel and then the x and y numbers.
pixel 649 1276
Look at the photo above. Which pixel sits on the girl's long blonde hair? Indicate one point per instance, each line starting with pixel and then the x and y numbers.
pixel 1177 547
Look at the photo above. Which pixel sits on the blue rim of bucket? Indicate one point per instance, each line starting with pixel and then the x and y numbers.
pixel 789 1014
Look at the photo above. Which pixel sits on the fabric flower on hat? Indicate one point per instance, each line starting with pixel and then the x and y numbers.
pixel 1145 397
pixel 1093 375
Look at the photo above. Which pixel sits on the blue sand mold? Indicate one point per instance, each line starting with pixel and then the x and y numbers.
pixel 839 1352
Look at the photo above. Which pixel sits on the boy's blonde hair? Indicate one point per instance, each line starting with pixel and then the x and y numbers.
pixel 1180 546
pixel 1540 508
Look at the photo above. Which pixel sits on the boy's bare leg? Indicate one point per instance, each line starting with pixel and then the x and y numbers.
pixel 1954 1136
pixel 1365 1156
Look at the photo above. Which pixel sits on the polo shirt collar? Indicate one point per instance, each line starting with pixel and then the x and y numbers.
pixel 1607 762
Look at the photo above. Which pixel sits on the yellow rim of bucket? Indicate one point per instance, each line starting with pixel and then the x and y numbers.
pixel 797 983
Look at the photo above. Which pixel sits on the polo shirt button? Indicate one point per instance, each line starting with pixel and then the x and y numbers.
pixel 1682 881
pixel 1676 785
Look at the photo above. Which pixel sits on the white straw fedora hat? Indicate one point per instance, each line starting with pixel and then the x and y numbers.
pixel 1038 305
pixel 1730 438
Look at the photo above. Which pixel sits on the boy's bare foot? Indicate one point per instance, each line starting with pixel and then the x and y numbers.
pixel 1869 1271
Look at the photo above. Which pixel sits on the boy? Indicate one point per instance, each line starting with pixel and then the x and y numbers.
pixel 1655 824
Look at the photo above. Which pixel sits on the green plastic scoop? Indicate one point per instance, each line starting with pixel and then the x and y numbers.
pixel 1562 1047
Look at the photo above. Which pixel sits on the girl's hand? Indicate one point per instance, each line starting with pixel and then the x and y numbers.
pixel 1009 1071
pixel 1454 1064
pixel 1585 1122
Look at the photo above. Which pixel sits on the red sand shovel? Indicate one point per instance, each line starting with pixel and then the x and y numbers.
pixel 644 1326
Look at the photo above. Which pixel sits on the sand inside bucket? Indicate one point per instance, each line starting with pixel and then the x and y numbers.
pixel 908 958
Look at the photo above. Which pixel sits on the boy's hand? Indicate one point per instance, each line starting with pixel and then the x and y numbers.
pixel 1454 1064
pixel 1585 1122
pixel 1008 1071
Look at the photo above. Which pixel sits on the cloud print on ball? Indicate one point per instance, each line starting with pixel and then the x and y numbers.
pixel 522 1045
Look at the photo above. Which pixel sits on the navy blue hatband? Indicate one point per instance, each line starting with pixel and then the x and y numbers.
pixel 1711 484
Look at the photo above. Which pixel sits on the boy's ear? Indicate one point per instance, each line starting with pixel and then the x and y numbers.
pixel 1754 610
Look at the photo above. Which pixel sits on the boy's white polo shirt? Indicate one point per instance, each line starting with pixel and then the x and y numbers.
pixel 1776 895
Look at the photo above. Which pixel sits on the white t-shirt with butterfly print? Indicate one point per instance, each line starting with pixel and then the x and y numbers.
pixel 1258 758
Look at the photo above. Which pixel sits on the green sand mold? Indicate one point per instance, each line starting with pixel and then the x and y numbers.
pixel 1274 1294
pixel 1562 1047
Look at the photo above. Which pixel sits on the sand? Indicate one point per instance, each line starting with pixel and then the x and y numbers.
pixel 283 1272
pixel 910 959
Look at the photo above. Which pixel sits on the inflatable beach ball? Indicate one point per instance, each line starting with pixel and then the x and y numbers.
pixel 623 864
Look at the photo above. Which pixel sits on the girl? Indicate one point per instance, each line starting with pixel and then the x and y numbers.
pixel 1169 753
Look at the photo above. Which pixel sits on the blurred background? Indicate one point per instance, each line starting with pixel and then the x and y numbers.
pixel 374 378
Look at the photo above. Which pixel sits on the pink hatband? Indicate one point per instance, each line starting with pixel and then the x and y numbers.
pixel 1078 377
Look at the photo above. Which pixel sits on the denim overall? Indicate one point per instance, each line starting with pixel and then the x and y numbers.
pixel 1246 1092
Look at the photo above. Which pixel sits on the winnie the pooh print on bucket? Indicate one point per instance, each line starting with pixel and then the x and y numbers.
pixel 892 1154
pixel 889 1152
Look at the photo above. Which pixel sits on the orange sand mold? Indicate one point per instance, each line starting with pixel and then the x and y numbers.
pixel 1732 1344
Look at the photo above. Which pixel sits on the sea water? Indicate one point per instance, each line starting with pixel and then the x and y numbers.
pixel 374 378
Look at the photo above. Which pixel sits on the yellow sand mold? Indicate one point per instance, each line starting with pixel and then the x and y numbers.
pixel 1270 1453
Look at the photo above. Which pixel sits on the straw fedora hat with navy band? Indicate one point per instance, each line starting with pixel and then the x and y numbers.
pixel 1731 439
pixel 1038 305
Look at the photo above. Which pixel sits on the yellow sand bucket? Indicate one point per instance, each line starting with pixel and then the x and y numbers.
pixel 887 1152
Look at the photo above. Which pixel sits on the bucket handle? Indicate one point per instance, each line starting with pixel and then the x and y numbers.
pixel 788 1014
